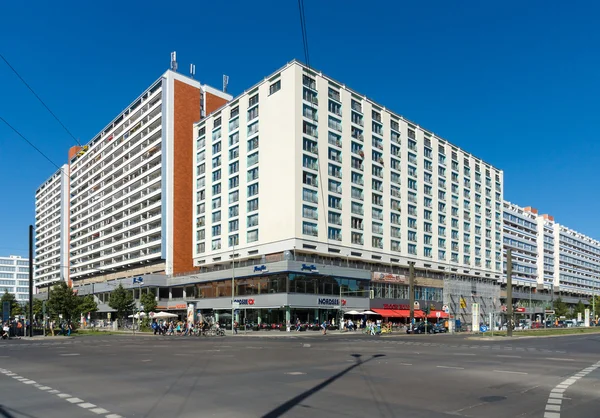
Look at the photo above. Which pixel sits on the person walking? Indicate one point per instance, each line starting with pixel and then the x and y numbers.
pixel 235 327
pixel 324 327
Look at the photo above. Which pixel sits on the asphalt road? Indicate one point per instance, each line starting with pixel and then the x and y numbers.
pixel 347 375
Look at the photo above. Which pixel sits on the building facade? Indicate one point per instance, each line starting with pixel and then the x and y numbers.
pixel 549 260
pixel 14 276
pixel 128 206
pixel 301 167
pixel 52 229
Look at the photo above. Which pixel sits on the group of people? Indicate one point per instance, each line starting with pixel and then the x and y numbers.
pixel 182 328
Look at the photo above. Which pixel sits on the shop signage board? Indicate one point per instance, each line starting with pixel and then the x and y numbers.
pixel 388 278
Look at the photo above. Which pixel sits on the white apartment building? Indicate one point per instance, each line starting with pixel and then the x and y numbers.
pixel 549 255
pixel 128 210
pixel 521 236
pixel 302 163
pixel 52 229
pixel 14 276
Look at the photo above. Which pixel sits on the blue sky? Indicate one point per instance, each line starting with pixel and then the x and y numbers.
pixel 515 83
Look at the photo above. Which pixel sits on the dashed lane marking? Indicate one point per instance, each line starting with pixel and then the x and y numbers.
pixel 556 396
pixel 69 398
pixel 509 371
pixel 450 367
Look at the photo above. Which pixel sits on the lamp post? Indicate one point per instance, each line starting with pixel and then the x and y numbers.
pixel 232 287
pixel 139 281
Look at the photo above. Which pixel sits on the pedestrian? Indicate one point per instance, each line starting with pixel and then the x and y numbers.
pixel 69 328
pixel 324 327
pixel 155 326
pixel 298 324
pixel 235 327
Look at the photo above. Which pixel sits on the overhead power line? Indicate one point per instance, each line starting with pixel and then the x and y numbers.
pixel 39 98
pixel 303 28
pixel 29 142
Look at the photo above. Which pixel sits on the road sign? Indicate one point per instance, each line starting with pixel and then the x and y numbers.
pixel 108 315
pixel 438 314
pixel 463 303
pixel 445 308
pixel 521 310
pixel 483 328
pixel 549 312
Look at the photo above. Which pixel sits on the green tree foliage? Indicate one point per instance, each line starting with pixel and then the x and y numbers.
pixel 87 304
pixel 149 301
pixel 63 301
pixel 122 301
pixel 38 308
pixel 560 307
pixel 579 308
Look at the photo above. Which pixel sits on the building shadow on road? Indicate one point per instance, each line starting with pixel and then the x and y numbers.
pixel 285 407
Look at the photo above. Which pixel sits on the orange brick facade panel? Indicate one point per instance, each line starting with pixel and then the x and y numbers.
pixel 213 103
pixel 186 112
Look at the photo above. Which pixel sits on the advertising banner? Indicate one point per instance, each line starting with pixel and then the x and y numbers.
pixel 389 278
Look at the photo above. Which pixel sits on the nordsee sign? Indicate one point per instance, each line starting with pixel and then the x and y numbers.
pixel 260 269
pixel 328 301
pixel 244 301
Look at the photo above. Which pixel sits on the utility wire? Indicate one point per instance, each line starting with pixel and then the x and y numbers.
pixel 40 99
pixel 303 28
pixel 29 142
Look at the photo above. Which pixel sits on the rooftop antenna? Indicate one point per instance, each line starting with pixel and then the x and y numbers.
pixel 192 70
pixel 225 83
pixel 174 60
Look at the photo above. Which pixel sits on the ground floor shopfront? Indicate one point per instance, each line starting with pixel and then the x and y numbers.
pixel 276 310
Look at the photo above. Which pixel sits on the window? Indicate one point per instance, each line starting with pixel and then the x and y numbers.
pixel 216 148
pixel 216 162
pixel 253 189
pixel 310 212
pixel 412 249
pixel 252 220
pixel 216 216
pixel 234 196
pixel 216 203
pixel 234 225
pixel 275 87
pixel 412 236
pixel 253 100
pixel 234 182
pixel 234 211
pixel 253 159
pixel 234 153
pixel 216 230
pixel 234 138
pixel 253 174
pixel 252 144
pixel 253 113
pixel 334 234
pixel 252 205
pixel 216 175
pixel 216 189
pixel 234 240
pixel 309 228
pixel 252 236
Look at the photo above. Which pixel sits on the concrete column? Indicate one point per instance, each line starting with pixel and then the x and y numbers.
pixel 288 314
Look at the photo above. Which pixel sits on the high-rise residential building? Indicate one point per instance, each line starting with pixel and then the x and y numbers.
pixel 549 256
pixel 128 210
pixel 14 276
pixel 52 229
pixel 302 163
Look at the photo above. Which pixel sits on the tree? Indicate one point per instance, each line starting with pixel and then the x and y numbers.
pixel 63 301
pixel 121 301
pixel 560 307
pixel 149 301
pixel 87 304
pixel 38 308
pixel 579 308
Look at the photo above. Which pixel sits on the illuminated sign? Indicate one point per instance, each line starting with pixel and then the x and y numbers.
pixel 260 269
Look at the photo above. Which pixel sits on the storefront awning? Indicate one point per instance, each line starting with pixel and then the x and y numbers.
pixel 388 313
pixel 405 313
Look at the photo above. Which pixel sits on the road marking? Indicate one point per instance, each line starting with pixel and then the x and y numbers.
pixel 306 345
pixel 464 354
pixel 450 367
pixel 146 360
pixel 295 373
pixel 74 400
pixel 509 371
pixel 69 398
pixel 507 356
pixel 69 354
pixel 560 359
pixel 406 364
pixel 556 394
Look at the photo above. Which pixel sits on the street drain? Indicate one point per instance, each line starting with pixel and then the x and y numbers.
pixel 492 398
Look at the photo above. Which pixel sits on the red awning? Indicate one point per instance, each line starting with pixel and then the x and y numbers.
pixel 433 315
pixel 387 313
pixel 405 313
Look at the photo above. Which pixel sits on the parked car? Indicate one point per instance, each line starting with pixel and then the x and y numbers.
pixel 439 328
pixel 420 329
